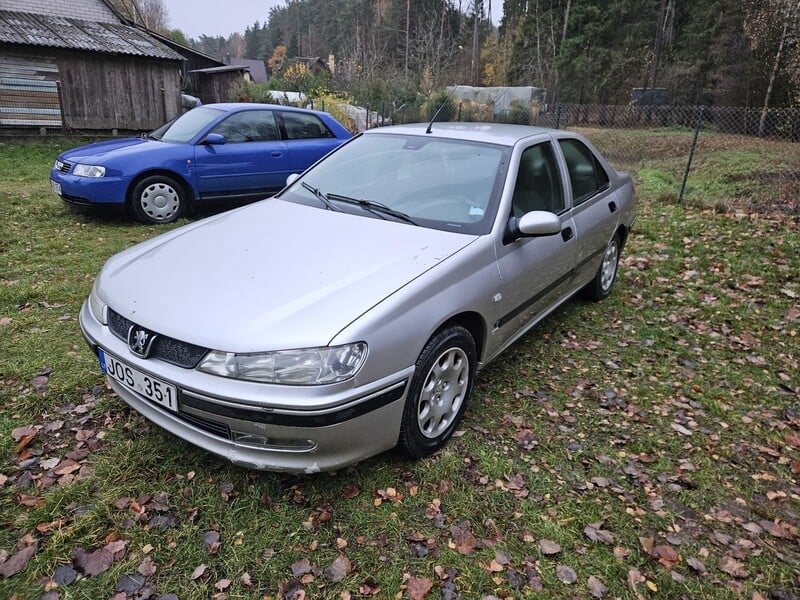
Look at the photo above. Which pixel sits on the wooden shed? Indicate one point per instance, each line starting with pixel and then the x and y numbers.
pixel 80 67
pixel 217 84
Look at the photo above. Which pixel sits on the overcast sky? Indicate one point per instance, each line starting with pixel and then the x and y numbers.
pixel 212 17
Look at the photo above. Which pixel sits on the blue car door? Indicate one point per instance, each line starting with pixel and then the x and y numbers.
pixel 307 137
pixel 251 162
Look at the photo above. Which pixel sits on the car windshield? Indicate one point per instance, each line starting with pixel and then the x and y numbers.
pixel 446 184
pixel 185 127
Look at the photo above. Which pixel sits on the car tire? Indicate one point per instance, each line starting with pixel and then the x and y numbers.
pixel 158 199
pixel 602 284
pixel 442 382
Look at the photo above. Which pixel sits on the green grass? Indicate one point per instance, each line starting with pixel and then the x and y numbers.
pixel 670 411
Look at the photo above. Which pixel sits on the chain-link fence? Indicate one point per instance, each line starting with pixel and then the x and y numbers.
pixel 726 157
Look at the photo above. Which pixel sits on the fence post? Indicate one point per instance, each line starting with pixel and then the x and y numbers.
pixel 558 116
pixel 691 151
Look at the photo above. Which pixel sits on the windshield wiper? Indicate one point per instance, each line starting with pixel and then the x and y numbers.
pixel 320 196
pixel 376 208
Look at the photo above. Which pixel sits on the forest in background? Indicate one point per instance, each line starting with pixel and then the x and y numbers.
pixel 713 52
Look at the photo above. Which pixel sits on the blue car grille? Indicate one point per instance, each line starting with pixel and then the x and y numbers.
pixel 175 352
pixel 62 166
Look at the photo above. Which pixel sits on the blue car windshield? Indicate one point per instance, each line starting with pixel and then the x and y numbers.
pixel 187 126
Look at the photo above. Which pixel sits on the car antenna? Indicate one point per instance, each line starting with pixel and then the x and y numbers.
pixel 436 114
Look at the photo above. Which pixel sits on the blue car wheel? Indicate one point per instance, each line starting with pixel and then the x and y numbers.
pixel 158 199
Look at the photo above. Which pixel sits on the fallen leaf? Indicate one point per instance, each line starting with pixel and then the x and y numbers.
pixel 728 564
pixel 222 584
pixel 64 575
pixel 465 542
pixel 566 574
pixel 337 570
pixel 549 547
pixel 417 588
pixel 596 587
pixel 666 555
pixel 130 584
pixel 198 572
pixel 148 567
pixel 301 567
pixel 594 533
pixel 211 542
pixel 695 564
pixel 18 562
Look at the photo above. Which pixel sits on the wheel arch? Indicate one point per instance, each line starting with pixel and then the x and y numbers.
pixel 622 232
pixel 474 324
pixel 187 188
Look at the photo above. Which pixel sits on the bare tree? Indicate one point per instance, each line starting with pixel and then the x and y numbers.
pixel 790 18
pixel 151 14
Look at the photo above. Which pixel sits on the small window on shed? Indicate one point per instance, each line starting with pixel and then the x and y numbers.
pixel 586 174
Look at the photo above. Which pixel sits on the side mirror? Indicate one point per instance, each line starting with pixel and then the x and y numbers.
pixel 534 223
pixel 292 178
pixel 214 139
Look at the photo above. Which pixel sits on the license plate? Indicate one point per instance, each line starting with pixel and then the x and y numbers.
pixel 151 388
pixel 56 187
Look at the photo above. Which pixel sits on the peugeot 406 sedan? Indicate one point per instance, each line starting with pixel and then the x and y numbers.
pixel 350 313
pixel 216 152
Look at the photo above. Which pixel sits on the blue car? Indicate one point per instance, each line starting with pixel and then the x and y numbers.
pixel 238 152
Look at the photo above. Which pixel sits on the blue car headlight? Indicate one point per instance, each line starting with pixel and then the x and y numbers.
pixel 307 366
pixel 89 171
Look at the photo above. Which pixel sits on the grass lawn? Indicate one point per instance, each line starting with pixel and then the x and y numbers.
pixel 646 446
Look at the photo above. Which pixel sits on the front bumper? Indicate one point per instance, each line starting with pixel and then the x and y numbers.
pixel 87 191
pixel 252 424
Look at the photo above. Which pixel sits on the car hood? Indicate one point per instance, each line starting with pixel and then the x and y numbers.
pixel 100 151
pixel 273 275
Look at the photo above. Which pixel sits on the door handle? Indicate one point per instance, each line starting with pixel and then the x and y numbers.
pixel 276 154
pixel 612 206
pixel 567 234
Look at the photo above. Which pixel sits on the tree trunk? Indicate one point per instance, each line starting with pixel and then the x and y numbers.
pixel 762 123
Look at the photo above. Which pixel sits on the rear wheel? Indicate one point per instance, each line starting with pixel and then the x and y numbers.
pixel 158 199
pixel 600 287
pixel 442 382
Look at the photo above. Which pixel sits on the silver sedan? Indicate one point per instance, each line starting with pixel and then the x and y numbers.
pixel 350 313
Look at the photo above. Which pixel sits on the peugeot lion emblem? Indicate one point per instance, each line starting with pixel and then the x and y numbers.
pixel 140 340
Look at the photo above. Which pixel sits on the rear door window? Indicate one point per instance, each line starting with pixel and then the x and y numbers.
pixel 586 174
pixel 303 126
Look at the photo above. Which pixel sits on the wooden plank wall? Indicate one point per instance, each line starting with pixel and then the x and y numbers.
pixel 86 90
pixel 100 91
pixel 29 91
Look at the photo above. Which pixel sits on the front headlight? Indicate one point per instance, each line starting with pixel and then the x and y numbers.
pixel 308 366
pixel 89 171
pixel 97 306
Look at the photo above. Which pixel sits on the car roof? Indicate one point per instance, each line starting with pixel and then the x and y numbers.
pixel 495 133
pixel 239 106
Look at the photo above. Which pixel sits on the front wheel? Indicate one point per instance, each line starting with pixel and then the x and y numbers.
pixel 600 287
pixel 158 199
pixel 442 382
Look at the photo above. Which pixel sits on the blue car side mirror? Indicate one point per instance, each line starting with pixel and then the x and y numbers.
pixel 214 139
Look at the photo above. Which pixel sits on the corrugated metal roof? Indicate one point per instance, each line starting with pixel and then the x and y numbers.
pixel 76 34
